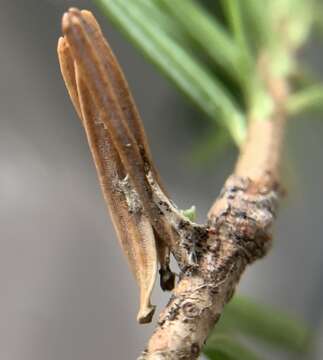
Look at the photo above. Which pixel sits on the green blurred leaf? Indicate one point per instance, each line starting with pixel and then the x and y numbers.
pixel 258 27
pixel 190 213
pixel 266 324
pixel 317 18
pixel 233 12
pixel 298 17
pixel 190 76
pixel 309 98
pixel 210 146
pixel 164 30
pixel 209 34
pixel 163 20
pixel 223 347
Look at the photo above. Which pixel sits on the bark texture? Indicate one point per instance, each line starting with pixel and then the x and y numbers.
pixel 238 233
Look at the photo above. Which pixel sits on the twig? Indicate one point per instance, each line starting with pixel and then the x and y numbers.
pixel 239 233
pixel 211 257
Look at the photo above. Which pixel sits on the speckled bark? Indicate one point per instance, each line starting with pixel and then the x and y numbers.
pixel 239 232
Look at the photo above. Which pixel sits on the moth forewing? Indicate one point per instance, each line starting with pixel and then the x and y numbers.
pixel 133 228
pixel 66 63
pixel 119 84
pixel 134 231
pixel 147 256
pixel 119 147
pixel 90 64
pixel 127 103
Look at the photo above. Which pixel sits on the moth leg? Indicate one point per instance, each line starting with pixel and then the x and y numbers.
pixel 166 276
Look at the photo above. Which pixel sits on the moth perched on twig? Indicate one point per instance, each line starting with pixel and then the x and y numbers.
pixel 211 257
pixel 145 220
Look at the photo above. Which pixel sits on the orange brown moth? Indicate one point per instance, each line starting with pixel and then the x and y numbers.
pixel 116 137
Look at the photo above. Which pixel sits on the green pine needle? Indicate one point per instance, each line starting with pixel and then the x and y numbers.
pixel 234 15
pixel 222 347
pixel 266 324
pixel 309 98
pixel 213 38
pixel 188 74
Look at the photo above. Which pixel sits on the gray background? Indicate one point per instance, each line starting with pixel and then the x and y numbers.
pixel 65 289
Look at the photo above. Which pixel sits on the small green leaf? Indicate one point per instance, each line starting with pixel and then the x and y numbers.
pixel 222 347
pixel 190 213
pixel 266 324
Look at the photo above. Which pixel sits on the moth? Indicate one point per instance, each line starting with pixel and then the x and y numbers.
pixel 130 184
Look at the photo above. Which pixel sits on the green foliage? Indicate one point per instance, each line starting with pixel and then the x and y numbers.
pixel 205 30
pixel 243 319
pixel 190 213
pixel 209 147
pixel 265 324
pixel 309 98
pixel 223 347
pixel 185 70
pixel 211 57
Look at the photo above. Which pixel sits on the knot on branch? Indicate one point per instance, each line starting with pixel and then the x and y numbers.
pixel 244 213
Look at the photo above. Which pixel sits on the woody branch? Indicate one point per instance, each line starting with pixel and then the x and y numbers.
pixel 238 234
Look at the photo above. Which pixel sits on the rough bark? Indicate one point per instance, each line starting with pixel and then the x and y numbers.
pixel 239 232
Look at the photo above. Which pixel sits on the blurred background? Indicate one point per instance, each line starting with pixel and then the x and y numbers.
pixel 65 289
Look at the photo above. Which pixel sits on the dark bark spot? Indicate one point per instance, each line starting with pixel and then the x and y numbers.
pixel 195 349
pixel 190 310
